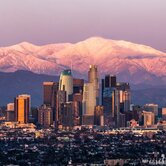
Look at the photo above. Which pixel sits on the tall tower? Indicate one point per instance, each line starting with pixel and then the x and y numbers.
pixel 108 88
pixel 90 96
pixel 66 83
pixel 93 78
pixel 50 90
pixel 22 108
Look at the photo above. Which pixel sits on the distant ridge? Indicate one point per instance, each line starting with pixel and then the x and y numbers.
pixel 14 83
pixel 132 62
pixel 19 82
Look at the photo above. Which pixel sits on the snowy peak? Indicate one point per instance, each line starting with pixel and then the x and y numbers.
pixel 128 60
pixel 121 44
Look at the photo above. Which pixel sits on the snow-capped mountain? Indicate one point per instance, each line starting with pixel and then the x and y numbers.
pixel 131 62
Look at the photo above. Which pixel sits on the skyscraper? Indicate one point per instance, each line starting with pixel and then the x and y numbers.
pixel 110 81
pixel 77 97
pixel 49 93
pixel 90 96
pixel 108 98
pixel 93 78
pixel 125 96
pixel 61 98
pixel 22 105
pixel 66 83
pixel 50 90
pixel 116 107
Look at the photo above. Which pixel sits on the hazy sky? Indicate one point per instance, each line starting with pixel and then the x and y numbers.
pixel 52 21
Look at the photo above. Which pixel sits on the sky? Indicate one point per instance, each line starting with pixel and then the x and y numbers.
pixel 56 21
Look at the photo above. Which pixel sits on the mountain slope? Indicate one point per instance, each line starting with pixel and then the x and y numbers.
pixel 133 63
pixel 22 82
pixel 19 82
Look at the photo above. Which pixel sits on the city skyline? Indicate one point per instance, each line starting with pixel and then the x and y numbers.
pixel 72 102
pixel 82 82
pixel 139 21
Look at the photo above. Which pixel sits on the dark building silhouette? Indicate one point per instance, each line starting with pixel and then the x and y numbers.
pixel 77 97
pixel 108 98
pixel 70 114
pixel 45 116
pixel 110 81
pixel 50 95
pixel 60 99
pixel 78 85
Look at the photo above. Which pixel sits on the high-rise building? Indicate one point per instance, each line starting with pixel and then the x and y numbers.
pixel 93 78
pixel 151 108
pixel 116 107
pixel 122 120
pixel 116 99
pixel 45 116
pixel 110 81
pixel 78 97
pixel 99 116
pixel 149 118
pixel 90 96
pixel 70 114
pixel 88 104
pixel 108 88
pixel 66 83
pixel 61 98
pixel 78 85
pixel 22 106
pixel 10 114
pixel 125 96
pixel 89 99
pixel 137 114
pixel 163 113
pixel 50 95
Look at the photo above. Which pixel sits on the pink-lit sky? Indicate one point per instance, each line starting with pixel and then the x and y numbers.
pixel 52 21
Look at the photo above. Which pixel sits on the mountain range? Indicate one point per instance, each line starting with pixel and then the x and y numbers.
pixel 131 62
pixel 142 66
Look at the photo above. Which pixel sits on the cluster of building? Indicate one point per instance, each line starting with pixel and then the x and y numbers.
pixel 71 103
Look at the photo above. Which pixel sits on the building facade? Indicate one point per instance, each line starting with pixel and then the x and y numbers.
pixel 66 83
pixel 22 105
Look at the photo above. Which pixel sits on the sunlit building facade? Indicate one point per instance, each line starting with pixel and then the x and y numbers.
pixel 93 79
pixel 66 83
pixel 149 118
pixel 22 105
